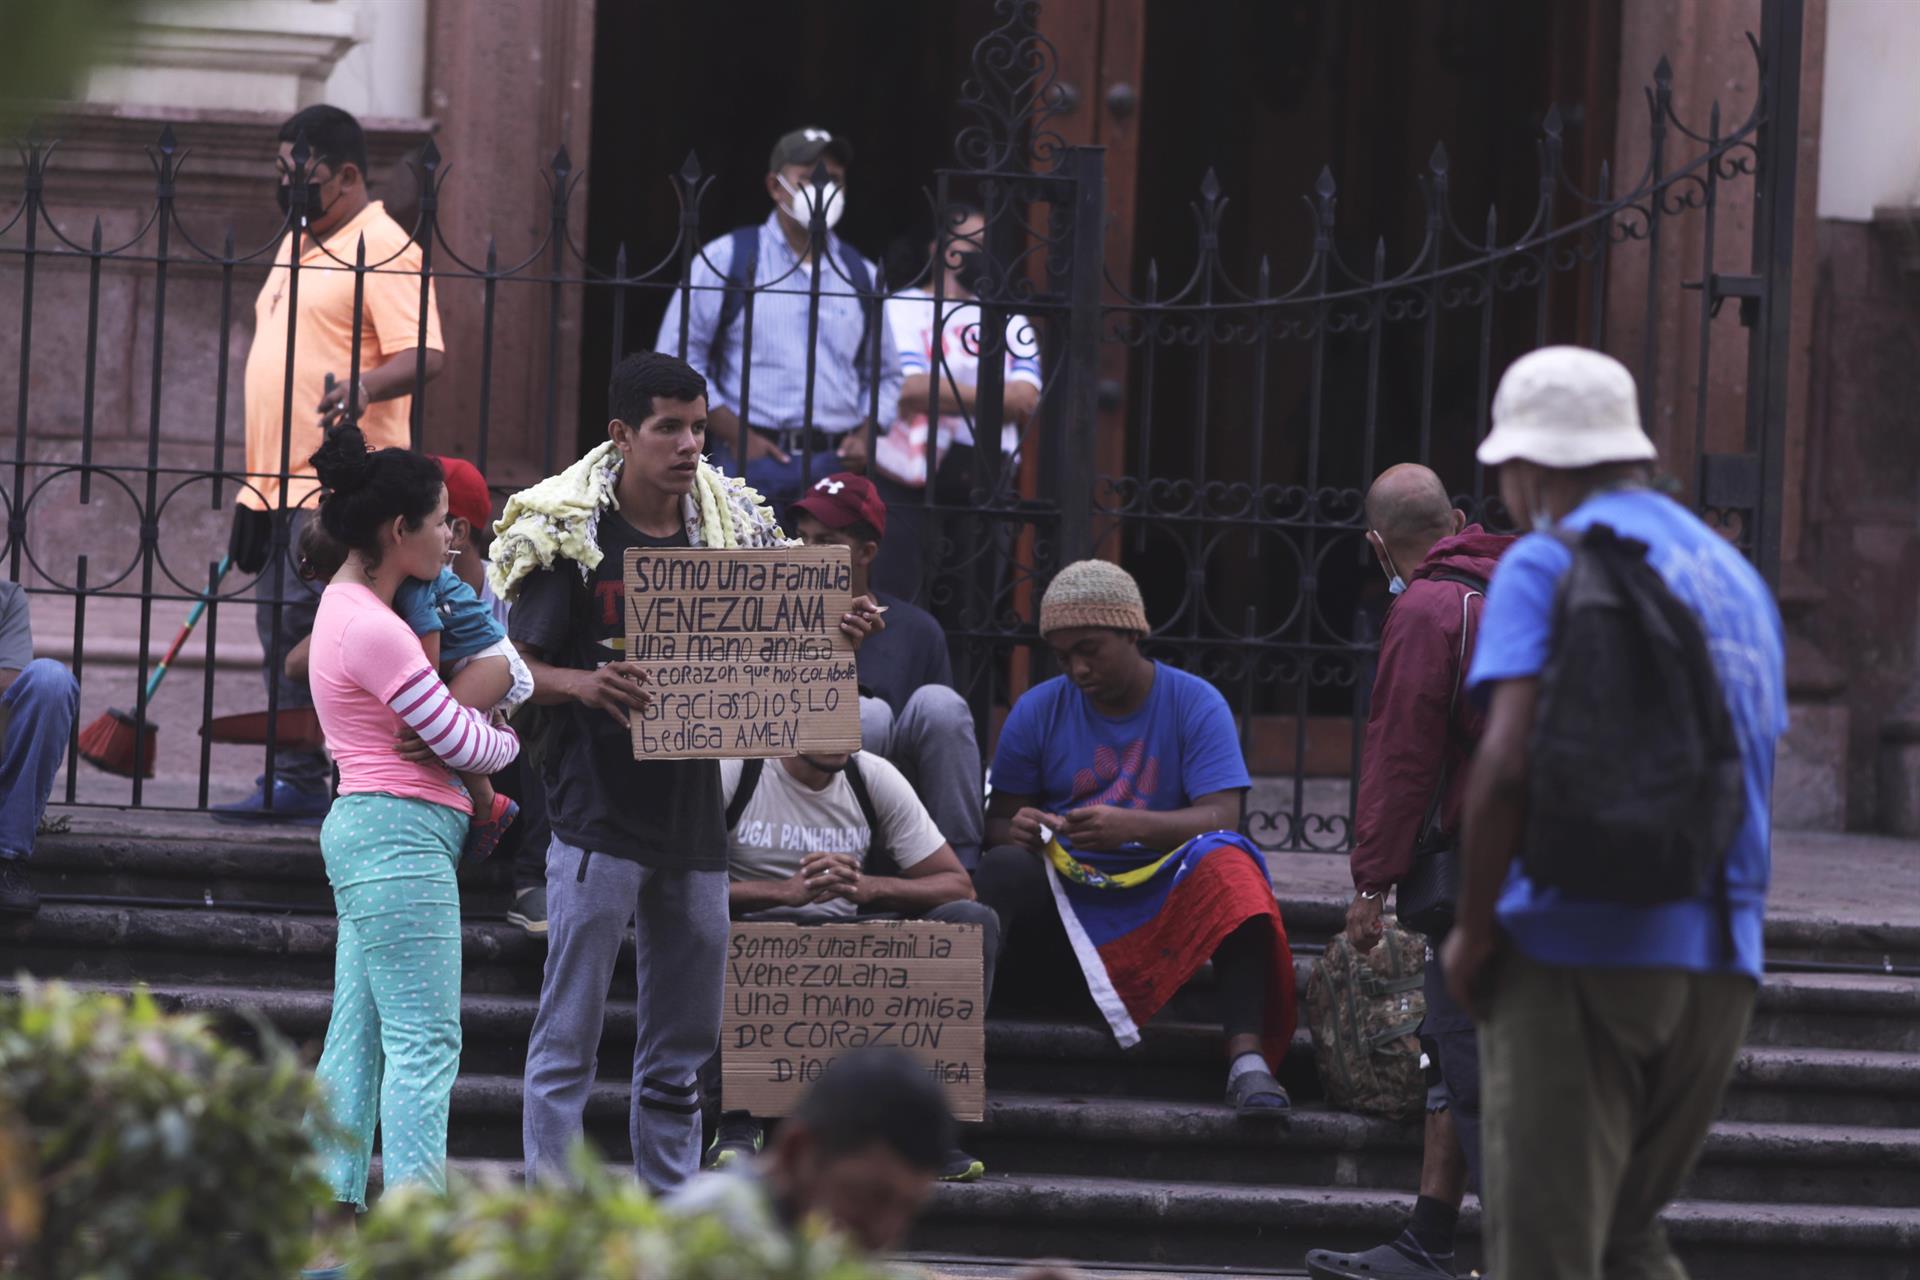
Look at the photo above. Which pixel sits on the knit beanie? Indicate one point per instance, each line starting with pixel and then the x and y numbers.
pixel 1093 593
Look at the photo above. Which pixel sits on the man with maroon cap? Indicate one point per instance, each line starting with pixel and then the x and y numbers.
pixel 470 519
pixel 909 710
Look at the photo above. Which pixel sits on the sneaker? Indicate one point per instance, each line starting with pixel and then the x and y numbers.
pixel 291 803
pixel 1257 1095
pixel 483 835
pixel 529 910
pixel 17 897
pixel 739 1137
pixel 1403 1259
pixel 961 1167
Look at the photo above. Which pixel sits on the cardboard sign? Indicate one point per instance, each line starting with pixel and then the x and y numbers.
pixel 799 996
pixel 743 652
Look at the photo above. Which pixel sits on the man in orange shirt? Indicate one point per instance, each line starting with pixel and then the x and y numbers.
pixel 301 379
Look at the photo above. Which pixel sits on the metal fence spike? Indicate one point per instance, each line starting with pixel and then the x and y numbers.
pixel 690 168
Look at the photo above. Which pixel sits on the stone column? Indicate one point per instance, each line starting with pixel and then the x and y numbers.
pixel 509 83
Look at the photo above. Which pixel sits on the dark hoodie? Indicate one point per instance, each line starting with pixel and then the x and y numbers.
pixel 1408 738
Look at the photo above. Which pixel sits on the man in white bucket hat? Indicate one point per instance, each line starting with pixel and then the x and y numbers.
pixel 1608 1027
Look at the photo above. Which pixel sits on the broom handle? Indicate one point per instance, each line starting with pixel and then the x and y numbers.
pixel 193 620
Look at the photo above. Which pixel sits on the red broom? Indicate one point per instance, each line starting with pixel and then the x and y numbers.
pixel 117 739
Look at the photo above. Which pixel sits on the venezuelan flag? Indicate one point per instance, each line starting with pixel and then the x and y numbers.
pixel 1143 922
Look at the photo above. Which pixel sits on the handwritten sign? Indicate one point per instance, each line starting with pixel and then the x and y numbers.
pixel 743 652
pixel 799 996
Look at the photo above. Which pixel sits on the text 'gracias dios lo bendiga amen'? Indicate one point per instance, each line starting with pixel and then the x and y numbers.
pixel 742 650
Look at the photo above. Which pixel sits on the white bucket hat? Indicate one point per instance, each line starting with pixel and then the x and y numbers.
pixel 1566 408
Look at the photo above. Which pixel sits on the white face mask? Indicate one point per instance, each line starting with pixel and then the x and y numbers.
pixel 799 204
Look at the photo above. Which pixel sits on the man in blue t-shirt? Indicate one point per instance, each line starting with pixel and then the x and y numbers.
pixel 1123 753
pixel 1608 1031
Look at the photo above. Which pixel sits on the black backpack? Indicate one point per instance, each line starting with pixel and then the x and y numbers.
pixel 1635 782
pixel 879 860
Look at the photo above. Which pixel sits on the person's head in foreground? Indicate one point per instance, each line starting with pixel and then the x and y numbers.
pixel 1566 423
pixel 657 410
pixel 1093 618
pixel 862 1150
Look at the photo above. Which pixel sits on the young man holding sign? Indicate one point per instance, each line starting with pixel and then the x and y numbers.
pixel 634 842
pixel 814 839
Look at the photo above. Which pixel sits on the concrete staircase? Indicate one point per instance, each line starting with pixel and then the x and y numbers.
pixel 1813 1171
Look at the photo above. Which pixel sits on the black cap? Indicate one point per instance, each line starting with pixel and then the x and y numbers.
pixel 804 146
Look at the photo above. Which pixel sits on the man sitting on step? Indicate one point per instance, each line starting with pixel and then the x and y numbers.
pixel 38 699
pixel 813 839
pixel 909 710
pixel 1117 795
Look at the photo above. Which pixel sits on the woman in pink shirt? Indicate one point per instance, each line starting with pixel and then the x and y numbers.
pixel 392 839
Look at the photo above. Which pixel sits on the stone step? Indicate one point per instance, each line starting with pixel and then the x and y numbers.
pixel 1176 1066
pixel 1186 1227
pixel 1161 1142
pixel 281 866
pixel 1231 1225
pixel 201 946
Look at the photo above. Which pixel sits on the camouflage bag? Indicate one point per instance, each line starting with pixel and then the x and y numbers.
pixel 1364 1012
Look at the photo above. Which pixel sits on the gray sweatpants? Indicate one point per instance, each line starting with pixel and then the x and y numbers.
pixel 932 743
pixel 680 920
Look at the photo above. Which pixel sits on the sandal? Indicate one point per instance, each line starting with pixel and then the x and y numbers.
pixel 1257 1095
pixel 483 837
pixel 1385 1262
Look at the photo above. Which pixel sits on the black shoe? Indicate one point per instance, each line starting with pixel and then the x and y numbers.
pixel 529 910
pixel 738 1138
pixel 17 897
pixel 961 1167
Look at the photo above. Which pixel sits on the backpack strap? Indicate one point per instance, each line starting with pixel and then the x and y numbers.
pixel 1475 586
pixel 746 256
pixel 733 298
pixel 862 281
pixel 879 859
pixel 750 771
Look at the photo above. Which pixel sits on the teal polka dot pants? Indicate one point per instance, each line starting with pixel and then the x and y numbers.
pixel 393 1044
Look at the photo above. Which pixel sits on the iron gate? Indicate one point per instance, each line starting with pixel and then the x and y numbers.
pixel 1253 408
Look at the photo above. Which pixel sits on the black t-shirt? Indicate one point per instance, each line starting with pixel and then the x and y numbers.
pixel 909 653
pixel 659 813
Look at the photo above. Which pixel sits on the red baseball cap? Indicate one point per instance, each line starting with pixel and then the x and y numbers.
pixel 844 498
pixel 467 494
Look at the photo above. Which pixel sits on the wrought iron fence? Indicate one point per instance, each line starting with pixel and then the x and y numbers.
pixel 1243 517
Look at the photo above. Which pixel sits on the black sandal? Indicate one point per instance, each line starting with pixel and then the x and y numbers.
pixel 1257 1095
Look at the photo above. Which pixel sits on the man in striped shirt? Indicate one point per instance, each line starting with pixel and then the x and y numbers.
pixel 770 421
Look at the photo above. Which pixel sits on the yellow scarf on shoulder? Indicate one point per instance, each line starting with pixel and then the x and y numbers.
pixel 559 518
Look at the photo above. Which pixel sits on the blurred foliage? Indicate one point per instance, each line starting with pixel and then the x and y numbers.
pixel 136 1145
pixel 605 1229
pixel 45 45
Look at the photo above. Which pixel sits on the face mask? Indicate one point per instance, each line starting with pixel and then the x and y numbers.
pixel 1395 583
pixel 800 202
pixel 283 196
pixel 972 271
